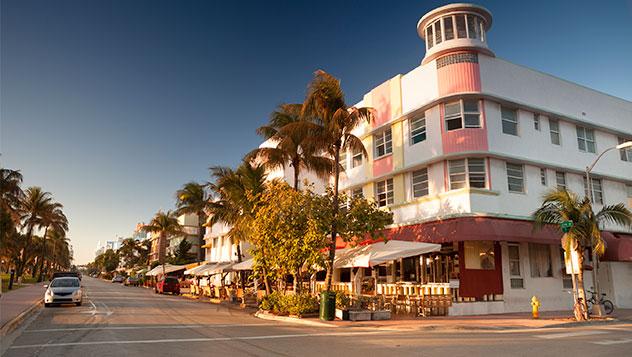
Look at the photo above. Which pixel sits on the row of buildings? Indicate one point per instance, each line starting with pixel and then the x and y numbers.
pixel 461 150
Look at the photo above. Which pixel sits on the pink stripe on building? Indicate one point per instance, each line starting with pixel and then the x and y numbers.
pixel 458 78
pixel 382 166
pixel 381 102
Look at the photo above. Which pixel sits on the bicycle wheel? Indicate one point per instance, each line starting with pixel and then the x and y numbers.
pixel 608 306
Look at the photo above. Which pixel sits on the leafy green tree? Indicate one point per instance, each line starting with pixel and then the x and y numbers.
pixel 128 252
pixel 55 219
pixel 165 224
pixel 193 198
pixel 292 136
pixel 561 205
pixel 182 255
pixel 325 105
pixel 110 260
pixel 11 194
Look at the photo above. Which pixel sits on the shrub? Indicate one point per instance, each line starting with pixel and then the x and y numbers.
pixel 290 304
pixel 342 300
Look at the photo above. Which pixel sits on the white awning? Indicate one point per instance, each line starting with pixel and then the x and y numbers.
pixel 377 253
pixel 212 269
pixel 158 270
pixel 194 270
pixel 245 265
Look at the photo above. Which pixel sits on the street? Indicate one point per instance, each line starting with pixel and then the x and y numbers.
pixel 125 321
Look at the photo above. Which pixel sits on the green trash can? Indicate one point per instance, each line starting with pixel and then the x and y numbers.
pixel 327 305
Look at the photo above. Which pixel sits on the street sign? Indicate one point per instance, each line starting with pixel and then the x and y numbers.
pixel 566 226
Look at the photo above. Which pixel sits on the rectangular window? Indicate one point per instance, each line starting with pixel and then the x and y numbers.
pixel 554 128
pixel 540 260
pixel 384 192
pixel 417 130
pixel 429 37
pixel 628 189
pixel 472 26
pixel 543 177
pixel 356 159
pixel 479 255
pixel 515 273
pixel 597 192
pixel 357 192
pixel 509 121
pixel 343 159
pixel 383 143
pixel 536 122
pixel 467 173
pixel 560 179
pixel 437 29
pixel 626 154
pixel 420 182
pixel 515 178
pixel 460 26
pixel 462 114
pixel 448 29
pixel 585 139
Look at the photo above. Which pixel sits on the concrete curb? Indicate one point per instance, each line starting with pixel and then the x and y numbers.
pixel 13 324
pixel 294 320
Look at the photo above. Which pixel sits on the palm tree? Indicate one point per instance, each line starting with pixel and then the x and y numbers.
pixel 325 105
pixel 560 205
pixel 237 196
pixel 127 252
pixel 53 218
pixel 193 198
pixel 10 192
pixel 165 224
pixel 292 135
pixel 33 209
pixel 58 244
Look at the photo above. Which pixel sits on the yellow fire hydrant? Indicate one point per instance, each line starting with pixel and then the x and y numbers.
pixel 535 305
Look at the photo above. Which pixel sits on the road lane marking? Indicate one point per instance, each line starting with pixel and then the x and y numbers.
pixel 189 340
pixel 613 342
pixel 571 334
pixel 145 327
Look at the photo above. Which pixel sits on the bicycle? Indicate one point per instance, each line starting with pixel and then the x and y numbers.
pixel 608 306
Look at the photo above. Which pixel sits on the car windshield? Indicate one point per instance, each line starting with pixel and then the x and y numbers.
pixel 171 280
pixel 65 283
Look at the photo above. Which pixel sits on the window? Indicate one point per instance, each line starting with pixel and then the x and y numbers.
pixel 515 273
pixel 448 28
pixel 467 172
pixel 356 159
pixel 410 268
pixel 597 193
pixel 560 179
pixel 515 178
pixel 543 177
pixel 343 159
pixel 536 122
pixel 383 143
pixel 417 130
pixel 429 37
pixel 437 29
pixel 554 128
pixel 585 139
pixel 420 182
pixel 472 26
pixel 384 192
pixel 540 260
pixel 510 121
pixel 462 114
pixel 626 154
pixel 628 189
pixel 357 192
pixel 479 255
pixel 460 26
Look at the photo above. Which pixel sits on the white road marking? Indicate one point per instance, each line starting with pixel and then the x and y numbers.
pixel 187 340
pixel 571 334
pixel 145 327
pixel 613 342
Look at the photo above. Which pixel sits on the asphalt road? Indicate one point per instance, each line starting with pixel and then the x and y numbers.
pixel 124 321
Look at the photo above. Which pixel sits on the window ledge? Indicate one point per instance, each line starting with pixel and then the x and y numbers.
pixel 383 156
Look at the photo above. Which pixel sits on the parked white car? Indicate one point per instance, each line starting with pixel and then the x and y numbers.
pixel 66 290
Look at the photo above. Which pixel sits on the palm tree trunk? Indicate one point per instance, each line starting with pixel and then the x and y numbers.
pixel 334 232
pixel 580 283
pixel 201 221
pixel 41 269
pixel 296 167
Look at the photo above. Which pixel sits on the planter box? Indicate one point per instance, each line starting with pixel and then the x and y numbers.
pixel 342 314
pixel 381 315
pixel 360 315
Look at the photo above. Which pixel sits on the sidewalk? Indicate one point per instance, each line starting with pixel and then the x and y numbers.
pixel 510 321
pixel 15 305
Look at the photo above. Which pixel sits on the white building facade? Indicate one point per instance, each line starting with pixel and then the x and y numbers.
pixel 461 150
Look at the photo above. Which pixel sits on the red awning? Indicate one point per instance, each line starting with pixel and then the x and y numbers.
pixel 618 248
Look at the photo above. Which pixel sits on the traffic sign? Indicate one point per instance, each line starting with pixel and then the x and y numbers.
pixel 566 226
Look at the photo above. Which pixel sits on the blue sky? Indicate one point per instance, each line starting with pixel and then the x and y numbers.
pixel 113 105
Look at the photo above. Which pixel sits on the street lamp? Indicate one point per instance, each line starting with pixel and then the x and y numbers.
pixel 597 308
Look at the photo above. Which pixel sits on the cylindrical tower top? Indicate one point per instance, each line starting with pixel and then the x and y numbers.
pixel 455 27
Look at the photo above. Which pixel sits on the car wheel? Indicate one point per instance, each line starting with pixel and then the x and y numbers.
pixel 155 291
pixel 46 304
pixel 78 303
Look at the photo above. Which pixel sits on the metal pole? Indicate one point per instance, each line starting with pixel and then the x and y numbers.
pixel 597 309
